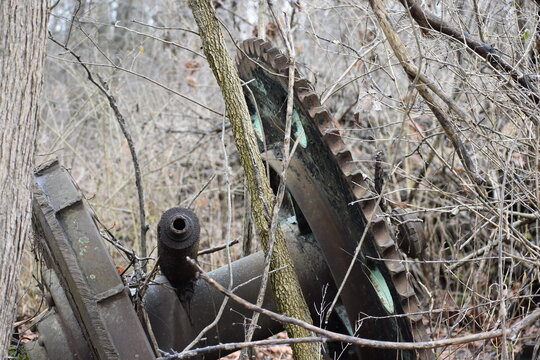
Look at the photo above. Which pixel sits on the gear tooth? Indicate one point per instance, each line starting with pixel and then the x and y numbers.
pixel 247 46
pixel 393 262
pixel 309 99
pixel 367 204
pixel 262 48
pixel 359 189
pixel 410 306
pixel 396 268
pixel 239 58
pixel 403 287
pixel 357 183
pixel 270 54
pixel 345 161
pixel 322 117
pixel 384 244
pixel 410 235
pixel 254 45
pixel 333 141
pixel 372 212
pixel 383 239
pixel 280 63
pixel 244 66
pixel 318 111
pixel 379 230
pixel 302 85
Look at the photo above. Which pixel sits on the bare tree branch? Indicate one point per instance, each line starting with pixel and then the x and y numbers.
pixel 429 21
pixel 512 332
pixel 103 87
pixel 414 74
pixel 242 345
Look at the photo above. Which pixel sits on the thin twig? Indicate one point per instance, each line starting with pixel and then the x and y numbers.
pixel 241 345
pixel 104 88
pixel 168 42
pixel 428 21
pixel 413 73
pixel 165 27
pixel 201 191
pixel 217 248
pixel 73 19
pixel 144 77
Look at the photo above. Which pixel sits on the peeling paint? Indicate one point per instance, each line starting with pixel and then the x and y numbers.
pixel 292 220
pixel 381 288
pixel 257 126
pixel 83 245
pixel 298 129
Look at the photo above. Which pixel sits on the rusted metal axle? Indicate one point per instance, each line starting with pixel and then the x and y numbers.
pixel 178 238
pixel 177 321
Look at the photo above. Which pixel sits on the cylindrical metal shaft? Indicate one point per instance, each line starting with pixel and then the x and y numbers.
pixel 176 324
pixel 178 237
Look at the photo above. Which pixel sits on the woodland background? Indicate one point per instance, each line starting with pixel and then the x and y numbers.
pixel 482 241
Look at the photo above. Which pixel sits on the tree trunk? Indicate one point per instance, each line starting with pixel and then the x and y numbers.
pixel 23 26
pixel 285 287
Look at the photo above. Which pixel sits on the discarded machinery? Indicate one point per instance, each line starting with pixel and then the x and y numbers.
pixel 329 210
pixel 91 316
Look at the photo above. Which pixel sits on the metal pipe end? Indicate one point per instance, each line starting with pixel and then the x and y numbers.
pixel 178 228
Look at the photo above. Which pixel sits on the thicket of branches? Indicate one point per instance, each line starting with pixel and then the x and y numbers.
pixel 447 91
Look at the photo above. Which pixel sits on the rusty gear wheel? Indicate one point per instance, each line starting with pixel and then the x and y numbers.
pixel 334 200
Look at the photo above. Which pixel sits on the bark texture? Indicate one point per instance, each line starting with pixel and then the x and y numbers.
pixel 285 287
pixel 23 27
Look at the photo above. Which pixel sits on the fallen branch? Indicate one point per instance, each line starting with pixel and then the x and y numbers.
pixel 217 248
pixel 510 332
pixel 414 75
pixel 241 345
pixel 429 21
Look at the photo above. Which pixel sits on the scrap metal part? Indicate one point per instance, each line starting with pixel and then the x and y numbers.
pixel 335 200
pixel 60 336
pixel 178 238
pixel 410 233
pixel 73 246
pixel 177 323
pixel 91 315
